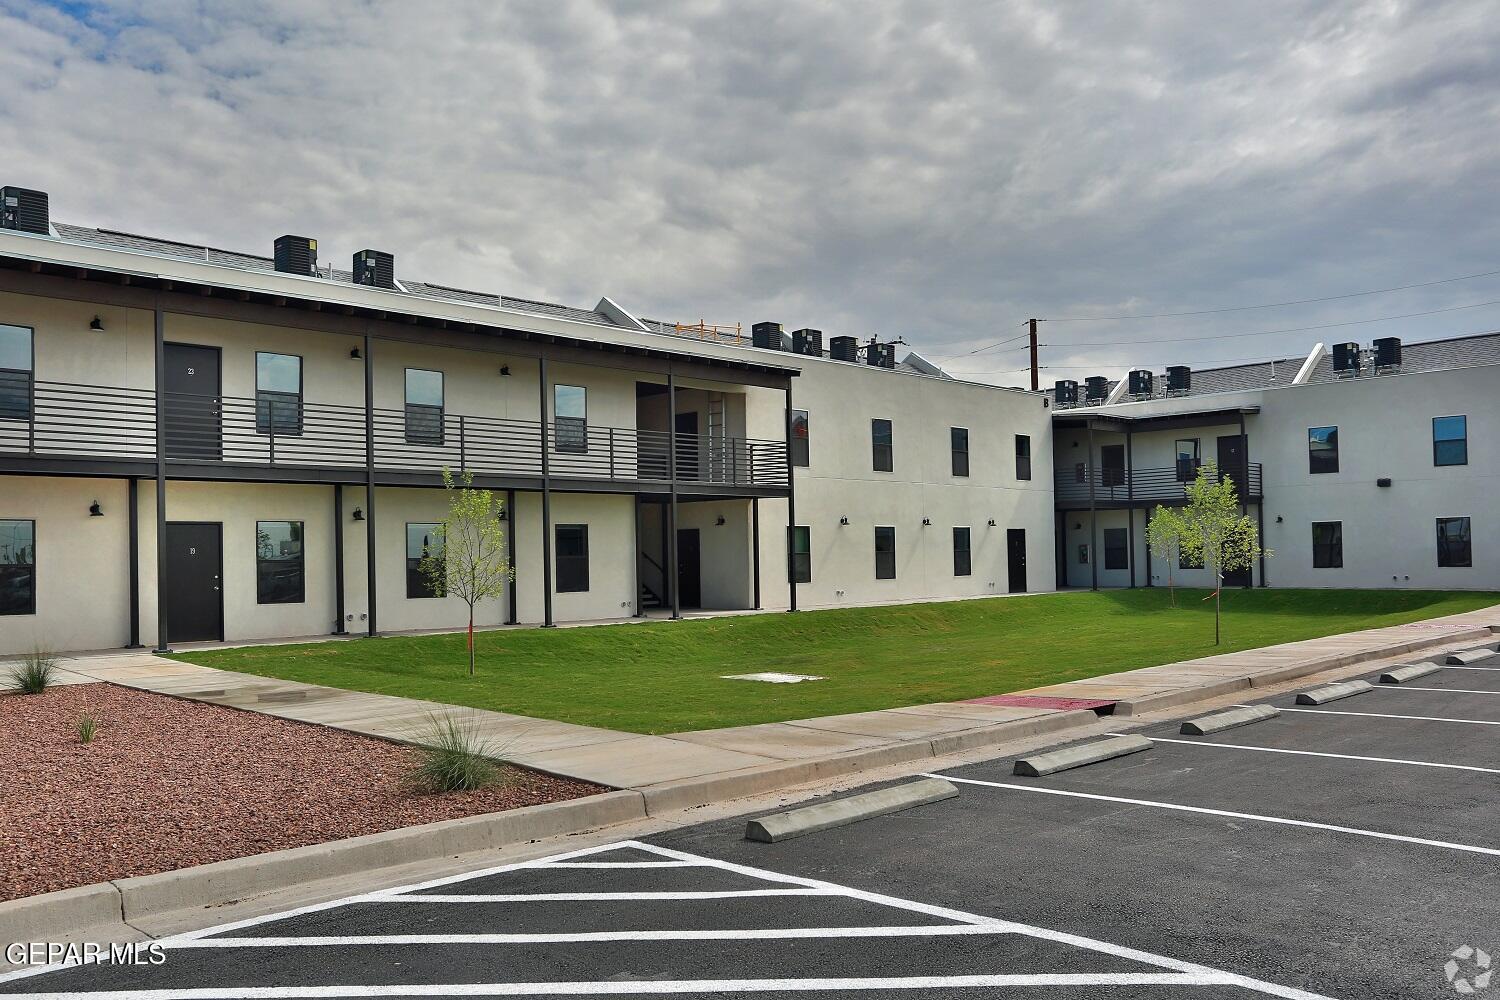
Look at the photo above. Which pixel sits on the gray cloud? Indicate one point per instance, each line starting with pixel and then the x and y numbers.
pixel 937 171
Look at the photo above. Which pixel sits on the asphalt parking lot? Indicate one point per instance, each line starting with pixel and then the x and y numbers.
pixel 1347 850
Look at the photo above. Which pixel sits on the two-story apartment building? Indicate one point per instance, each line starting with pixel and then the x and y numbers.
pixel 199 444
pixel 1372 467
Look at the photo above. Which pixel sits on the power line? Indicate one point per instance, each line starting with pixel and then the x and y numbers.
pixel 1270 305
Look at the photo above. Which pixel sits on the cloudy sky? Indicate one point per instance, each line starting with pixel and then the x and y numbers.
pixel 934 171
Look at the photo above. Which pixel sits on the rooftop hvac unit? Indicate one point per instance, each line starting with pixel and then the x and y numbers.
pixel 1140 382
pixel 879 355
pixel 1346 359
pixel 1096 389
pixel 1179 380
pixel 1388 352
pixel 374 267
pixel 843 349
pixel 769 336
pixel 296 255
pixel 808 342
pixel 1065 392
pixel 24 210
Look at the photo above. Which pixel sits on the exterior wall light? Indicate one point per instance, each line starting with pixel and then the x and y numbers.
pixel 720 520
pixel 95 510
pixel 354 353
pixel 505 370
pixel 96 324
pixel 359 513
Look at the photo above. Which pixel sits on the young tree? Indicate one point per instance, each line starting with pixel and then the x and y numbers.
pixel 1164 533
pixel 1216 532
pixel 467 557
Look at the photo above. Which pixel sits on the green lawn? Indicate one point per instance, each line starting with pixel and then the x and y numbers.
pixel 666 676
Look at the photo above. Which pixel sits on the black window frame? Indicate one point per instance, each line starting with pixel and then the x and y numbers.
pixel 1327 455
pixel 18 385
pixel 418 586
pixel 1450 553
pixel 270 568
pixel 19 576
pixel 278 411
pixel 1462 442
pixel 570 434
pixel 963 555
pixel 883 453
pixel 425 423
pixel 885 558
pixel 800 562
pixel 1328 553
pixel 800 445
pixel 1023 458
pixel 1116 556
pixel 958 444
pixel 572 568
pixel 1187 468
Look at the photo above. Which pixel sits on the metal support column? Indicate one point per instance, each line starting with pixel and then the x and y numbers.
pixel 371 592
pixel 510 556
pixel 1088 470
pixel 1146 514
pixel 1244 484
pixel 1130 509
pixel 791 505
pixel 135 564
pixel 161 481
pixel 546 497
pixel 1260 538
pixel 338 560
pixel 672 486
pixel 755 546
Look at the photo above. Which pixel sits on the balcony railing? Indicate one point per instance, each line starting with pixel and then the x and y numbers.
pixel 1116 486
pixel 102 423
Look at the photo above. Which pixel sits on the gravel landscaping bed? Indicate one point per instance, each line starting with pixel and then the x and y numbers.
pixel 167 783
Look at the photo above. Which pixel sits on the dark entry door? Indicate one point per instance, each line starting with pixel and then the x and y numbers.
pixel 1232 464
pixel 1112 466
pixel 194 584
pixel 1015 556
pixel 688 461
pixel 689 571
pixel 192 405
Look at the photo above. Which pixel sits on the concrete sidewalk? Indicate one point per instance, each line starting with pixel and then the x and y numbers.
pixel 693 768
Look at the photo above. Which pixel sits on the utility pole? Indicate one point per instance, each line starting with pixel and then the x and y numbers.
pixel 1035 376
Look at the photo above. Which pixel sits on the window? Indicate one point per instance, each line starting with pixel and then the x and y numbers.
pixel 1186 561
pixel 570 419
pixel 800 453
pixel 1454 548
pixel 17 567
pixel 885 553
pixel 959 440
pixel 15 373
pixel 1187 460
pixel 962 565
pixel 278 562
pixel 1112 464
pixel 1322 449
pixel 1450 440
pixel 572 558
pixel 424 406
pixel 1116 549
pixel 880 437
pixel 278 393
pixel 801 550
pixel 422 540
pixel 1023 456
pixel 1328 544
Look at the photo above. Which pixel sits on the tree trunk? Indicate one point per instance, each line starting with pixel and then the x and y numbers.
pixel 1217 591
pixel 471 640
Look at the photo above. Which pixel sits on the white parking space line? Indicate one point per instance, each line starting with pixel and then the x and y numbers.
pixel 1469 666
pixel 1403 687
pixel 592 897
pixel 584 937
pixel 620 864
pixel 1336 756
pixel 1383 715
pixel 1278 820
pixel 618 988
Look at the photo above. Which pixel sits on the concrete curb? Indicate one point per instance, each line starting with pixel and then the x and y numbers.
pixel 852 809
pixel 1334 692
pixel 1232 719
pixel 1079 755
pixel 62 915
pixel 1410 672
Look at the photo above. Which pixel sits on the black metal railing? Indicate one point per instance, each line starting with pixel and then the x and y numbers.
pixel 69 420
pixel 1165 485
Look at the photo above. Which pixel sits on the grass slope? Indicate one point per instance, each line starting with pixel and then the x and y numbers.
pixel 666 676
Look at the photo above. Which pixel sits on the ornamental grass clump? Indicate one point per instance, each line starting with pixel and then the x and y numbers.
pixel 33 673
pixel 452 758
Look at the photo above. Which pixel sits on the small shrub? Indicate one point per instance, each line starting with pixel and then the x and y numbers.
pixel 33 674
pixel 88 727
pixel 454 758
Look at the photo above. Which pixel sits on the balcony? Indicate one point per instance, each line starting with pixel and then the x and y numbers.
pixel 226 437
pixel 1116 488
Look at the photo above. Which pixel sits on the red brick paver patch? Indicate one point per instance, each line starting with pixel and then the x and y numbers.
pixel 168 783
